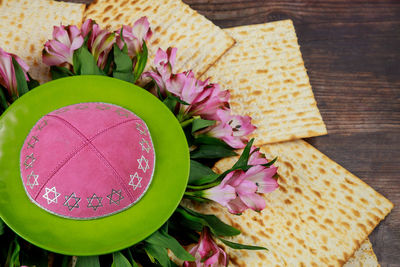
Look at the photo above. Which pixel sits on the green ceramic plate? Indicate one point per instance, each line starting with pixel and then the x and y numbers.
pixel 108 234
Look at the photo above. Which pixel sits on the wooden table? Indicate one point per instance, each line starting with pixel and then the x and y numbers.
pixel 352 52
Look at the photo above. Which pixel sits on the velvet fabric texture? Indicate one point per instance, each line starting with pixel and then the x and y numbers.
pixel 87 160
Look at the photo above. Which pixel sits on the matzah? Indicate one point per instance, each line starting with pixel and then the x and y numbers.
pixel 200 43
pixel 319 216
pixel 363 257
pixel 266 77
pixel 25 26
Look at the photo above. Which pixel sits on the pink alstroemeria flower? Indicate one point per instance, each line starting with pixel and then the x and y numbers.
pixel 162 74
pixel 262 177
pixel 61 49
pixel 232 129
pixel 134 36
pixel 100 41
pixel 7 72
pixel 207 252
pixel 209 102
pixel 256 158
pixel 204 98
pixel 222 194
pixel 246 193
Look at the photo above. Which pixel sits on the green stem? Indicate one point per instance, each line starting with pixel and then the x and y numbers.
pixel 202 187
pixel 187 122
pixel 190 194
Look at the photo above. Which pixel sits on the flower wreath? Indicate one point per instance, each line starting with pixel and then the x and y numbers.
pixel 211 130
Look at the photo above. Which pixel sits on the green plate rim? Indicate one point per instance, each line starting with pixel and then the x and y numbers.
pixel 106 234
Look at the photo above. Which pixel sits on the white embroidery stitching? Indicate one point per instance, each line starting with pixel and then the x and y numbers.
pixel 139 179
pixel 56 195
pixel 75 198
pixel 117 193
pixel 29 164
pixel 145 145
pixel 140 128
pixel 61 111
pixel 33 141
pixel 122 113
pixel 146 166
pixel 90 202
pixel 42 125
pixel 35 178
pixel 102 107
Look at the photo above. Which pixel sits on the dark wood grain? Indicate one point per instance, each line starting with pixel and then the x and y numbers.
pixel 352 52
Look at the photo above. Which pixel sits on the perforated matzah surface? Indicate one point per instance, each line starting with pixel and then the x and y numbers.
pixel 265 73
pixel 200 43
pixel 27 25
pixel 319 216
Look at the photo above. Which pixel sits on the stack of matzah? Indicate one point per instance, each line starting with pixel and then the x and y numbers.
pixel 200 43
pixel 321 214
pixel 26 25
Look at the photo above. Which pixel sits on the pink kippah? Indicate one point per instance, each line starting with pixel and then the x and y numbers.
pixel 87 160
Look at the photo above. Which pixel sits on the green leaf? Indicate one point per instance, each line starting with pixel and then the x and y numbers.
pixel 244 158
pixel 59 72
pixel 271 162
pixel 162 239
pixel 211 152
pixel 65 261
pixel 110 59
pixel 2 227
pixel 119 260
pixel 22 85
pixel 198 172
pixel 84 62
pixel 201 124
pixel 141 62
pixel 157 253
pixel 216 226
pixel 3 100
pixel 209 140
pixel 32 83
pixel 240 246
pixel 91 261
pixel 131 260
pixel 171 103
pixel 34 256
pixel 123 65
pixel 13 253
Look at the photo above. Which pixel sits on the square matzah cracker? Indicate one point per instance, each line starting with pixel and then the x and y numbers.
pixel 26 25
pixel 319 216
pixel 265 74
pixel 200 43
pixel 363 257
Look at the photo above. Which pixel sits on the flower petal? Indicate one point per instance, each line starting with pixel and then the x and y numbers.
pixel 221 193
pixel 254 201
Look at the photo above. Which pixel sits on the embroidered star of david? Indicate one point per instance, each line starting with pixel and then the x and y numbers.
pixel 53 195
pixel 143 166
pixel 75 201
pixel 31 180
pixel 102 107
pixel 42 125
pixel 138 180
pixel 62 110
pixel 117 194
pixel 92 201
pixel 140 128
pixel 33 141
pixel 29 160
pixel 145 145
pixel 122 113
pixel 82 107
